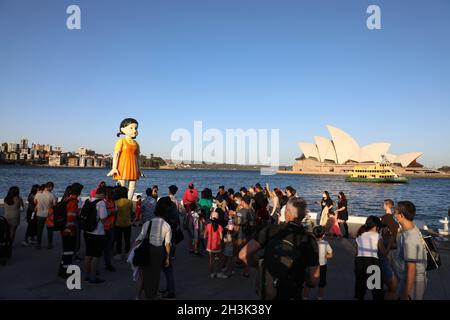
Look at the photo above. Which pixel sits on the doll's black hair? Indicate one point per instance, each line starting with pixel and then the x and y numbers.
pixel 124 123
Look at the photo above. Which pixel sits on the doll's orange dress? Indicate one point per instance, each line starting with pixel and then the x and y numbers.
pixel 127 162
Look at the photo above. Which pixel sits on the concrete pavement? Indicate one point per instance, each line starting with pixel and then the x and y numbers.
pixel 32 274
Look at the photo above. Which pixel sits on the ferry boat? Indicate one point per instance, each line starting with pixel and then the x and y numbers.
pixel 379 173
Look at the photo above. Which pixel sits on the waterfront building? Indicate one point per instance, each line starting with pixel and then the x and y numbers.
pixel 13 147
pixel 82 161
pixel 13 156
pixel 89 162
pixel 24 143
pixel 56 160
pixel 72 161
pixel 85 152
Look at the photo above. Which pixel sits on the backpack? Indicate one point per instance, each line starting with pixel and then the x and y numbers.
pixel 5 242
pixel 59 212
pixel 88 216
pixel 433 256
pixel 279 272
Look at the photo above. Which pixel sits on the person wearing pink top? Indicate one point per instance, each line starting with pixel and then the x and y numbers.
pixel 213 235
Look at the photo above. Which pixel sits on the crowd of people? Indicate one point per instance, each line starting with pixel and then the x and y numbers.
pixel 270 230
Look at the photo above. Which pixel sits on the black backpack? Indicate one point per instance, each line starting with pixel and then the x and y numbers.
pixel 60 214
pixel 280 275
pixel 5 241
pixel 88 215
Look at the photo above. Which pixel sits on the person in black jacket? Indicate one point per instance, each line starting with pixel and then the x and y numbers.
pixel 342 213
pixel 172 218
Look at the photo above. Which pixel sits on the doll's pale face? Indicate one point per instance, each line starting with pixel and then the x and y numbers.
pixel 130 130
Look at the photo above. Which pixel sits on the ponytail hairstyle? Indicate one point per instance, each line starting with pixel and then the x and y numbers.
pixel 124 123
pixel 361 230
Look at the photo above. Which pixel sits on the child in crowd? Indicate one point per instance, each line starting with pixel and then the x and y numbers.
pixel 325 253
pixel 213 235
pixel 196 229
pixel 228 251
pixel 201 229
pixel 138 217
pixel 332 226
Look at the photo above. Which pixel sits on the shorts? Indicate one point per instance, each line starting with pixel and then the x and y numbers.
pixel 94 244
pixel 195 234
pixel 323 276
pixel 228 251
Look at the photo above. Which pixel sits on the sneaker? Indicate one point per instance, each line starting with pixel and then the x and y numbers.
pixel 32 241
pixel 96 281
pixel 212 275
pixel 110 269
pixel 220 275
pixel 25 243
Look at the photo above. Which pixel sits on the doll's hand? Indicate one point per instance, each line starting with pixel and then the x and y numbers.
pixel 113 172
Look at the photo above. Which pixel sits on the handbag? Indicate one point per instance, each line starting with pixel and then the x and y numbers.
pixel 142 252
pixel 433 255
pixel 178 236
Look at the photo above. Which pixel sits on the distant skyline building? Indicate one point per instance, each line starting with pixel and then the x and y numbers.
pixel 24 143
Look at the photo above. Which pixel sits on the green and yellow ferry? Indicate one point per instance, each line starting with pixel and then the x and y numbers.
pixel 379 173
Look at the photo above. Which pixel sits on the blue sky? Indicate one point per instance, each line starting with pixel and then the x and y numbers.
pixel 293 65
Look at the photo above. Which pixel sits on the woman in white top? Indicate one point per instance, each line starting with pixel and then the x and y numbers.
pixel 13 206
pixel 159 238
pixel 369 244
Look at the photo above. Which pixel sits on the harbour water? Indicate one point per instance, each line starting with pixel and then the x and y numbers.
pixel 431 196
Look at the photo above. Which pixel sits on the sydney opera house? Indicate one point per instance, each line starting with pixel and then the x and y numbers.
pixel 341 153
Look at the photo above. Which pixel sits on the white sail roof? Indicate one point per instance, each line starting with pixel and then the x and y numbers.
pixel 309 150
pixel 344 144
pixel 407 158
pixel 361 156
pixel 377 150
pixel 326 149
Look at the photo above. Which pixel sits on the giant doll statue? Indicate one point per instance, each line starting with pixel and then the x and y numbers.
pixel 125 166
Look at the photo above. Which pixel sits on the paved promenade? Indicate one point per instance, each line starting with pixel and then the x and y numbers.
pixel 31 274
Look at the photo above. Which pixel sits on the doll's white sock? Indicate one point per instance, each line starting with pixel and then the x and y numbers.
pixel 130 193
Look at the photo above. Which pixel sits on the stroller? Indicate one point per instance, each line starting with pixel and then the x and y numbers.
pixel 5 241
